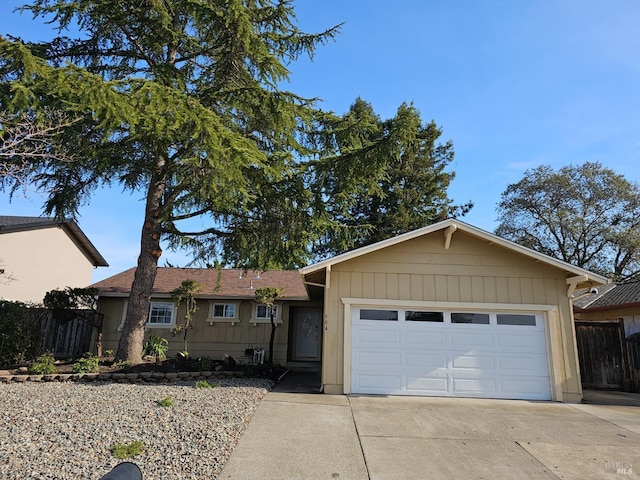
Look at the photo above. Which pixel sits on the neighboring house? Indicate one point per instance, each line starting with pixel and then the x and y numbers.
pixel 228 320
pixel 449 310
pixel 39 254
pixel 608 334
pixel 446 310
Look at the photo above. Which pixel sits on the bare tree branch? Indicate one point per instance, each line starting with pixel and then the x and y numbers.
pixel 25 140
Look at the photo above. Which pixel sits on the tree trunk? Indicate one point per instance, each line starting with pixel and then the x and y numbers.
pixel 132 337
pixel 272 338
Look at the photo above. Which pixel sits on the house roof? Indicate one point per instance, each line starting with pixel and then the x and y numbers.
pixel 232 283
pixel 451 225
pixel 618 295
pixel 11 224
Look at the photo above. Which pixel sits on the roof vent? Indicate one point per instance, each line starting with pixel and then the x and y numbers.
pixel 593 291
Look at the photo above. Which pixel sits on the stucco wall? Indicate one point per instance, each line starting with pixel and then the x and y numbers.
pixel 472 270
pixel 39 261
pixel 206 340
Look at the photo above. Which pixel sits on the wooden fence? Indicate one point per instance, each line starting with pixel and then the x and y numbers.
pixel 71 335
pixel 608 359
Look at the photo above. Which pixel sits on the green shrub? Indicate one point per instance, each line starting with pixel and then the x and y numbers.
pixel 205 384
pixel 44 365
pixel 89 363
pixel 20 337
pixel 205 364
pixel 166 402
pixel 127 450
pixel 107 353
pixel 156 346
pixel 121 365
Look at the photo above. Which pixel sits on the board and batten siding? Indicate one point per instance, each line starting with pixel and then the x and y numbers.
pixel 204 340
pixel 472 270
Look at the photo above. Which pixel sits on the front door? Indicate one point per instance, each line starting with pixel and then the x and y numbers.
pixel 307 321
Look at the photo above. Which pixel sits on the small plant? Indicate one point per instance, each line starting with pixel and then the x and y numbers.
pixel 107 353
pixel 205 364
pixel 166 402
pixel 44 365
pixel 127 450
pixel 121 365
pixel 156 346
pixel 89 363
pixel 205 384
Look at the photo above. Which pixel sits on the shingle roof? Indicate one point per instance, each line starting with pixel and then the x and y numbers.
pixel 10 224
pixel 233 283
pixel 617 295
pixel 21 223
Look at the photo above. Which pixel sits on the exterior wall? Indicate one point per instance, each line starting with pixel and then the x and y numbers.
pixel 608 315
pixel 472 271
pixel 204 340
pixel 630 315
pixel 41 260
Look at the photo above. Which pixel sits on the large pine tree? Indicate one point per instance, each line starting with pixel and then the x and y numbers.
pixel 179 100
pixel 389 176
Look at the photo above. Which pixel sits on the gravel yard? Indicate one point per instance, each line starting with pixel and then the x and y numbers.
pixel 65 430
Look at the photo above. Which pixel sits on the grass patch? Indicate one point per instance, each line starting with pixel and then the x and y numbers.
pixel 205 384
pixel 127 450
pixel 166 402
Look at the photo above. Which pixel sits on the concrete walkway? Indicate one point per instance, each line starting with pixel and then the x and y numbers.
pixel 312 436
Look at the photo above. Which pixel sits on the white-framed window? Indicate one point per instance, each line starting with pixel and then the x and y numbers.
pixel 262 314
pixel 161 314
pixel 223 312
pixel 264 311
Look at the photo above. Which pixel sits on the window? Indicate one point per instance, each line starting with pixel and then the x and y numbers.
pixel 264 312
pixel 160 314
pixel 224 310
pixel 514 319
pixel 415 316
pixel 384 315
pixel 475 318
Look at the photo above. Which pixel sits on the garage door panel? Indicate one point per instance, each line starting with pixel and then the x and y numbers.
pixel 378 383
pixel 474 386
pixel 473 362
pixel 525 364
pixel 470 339
pixel 450 359
pixel 531 389
pixel 527 341
pixel 426 385
pixel 424 337
pixel 372 336
pixel 373 359
pixel 426 360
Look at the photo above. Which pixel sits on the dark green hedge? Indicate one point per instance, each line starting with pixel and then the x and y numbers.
pixel 20 327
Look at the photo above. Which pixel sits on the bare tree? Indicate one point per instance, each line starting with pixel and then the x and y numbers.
pixel 25 139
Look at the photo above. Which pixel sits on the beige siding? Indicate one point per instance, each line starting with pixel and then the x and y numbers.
pixel 609 315
pixel 39 261
pixel 204 340
pixel 471 271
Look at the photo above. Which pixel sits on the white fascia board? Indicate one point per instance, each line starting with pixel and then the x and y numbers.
pixel 490 237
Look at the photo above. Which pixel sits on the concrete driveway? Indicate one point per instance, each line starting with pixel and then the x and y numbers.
pixel 307 436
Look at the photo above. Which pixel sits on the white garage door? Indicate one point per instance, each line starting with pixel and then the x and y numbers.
pixel 436 353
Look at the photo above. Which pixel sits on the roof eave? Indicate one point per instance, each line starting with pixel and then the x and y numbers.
pixel 592 278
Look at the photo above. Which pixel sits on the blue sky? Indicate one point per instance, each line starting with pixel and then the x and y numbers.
pixel 514 85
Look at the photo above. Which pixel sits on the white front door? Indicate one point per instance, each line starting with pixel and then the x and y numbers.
pixel 307 331
pixel 449 353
